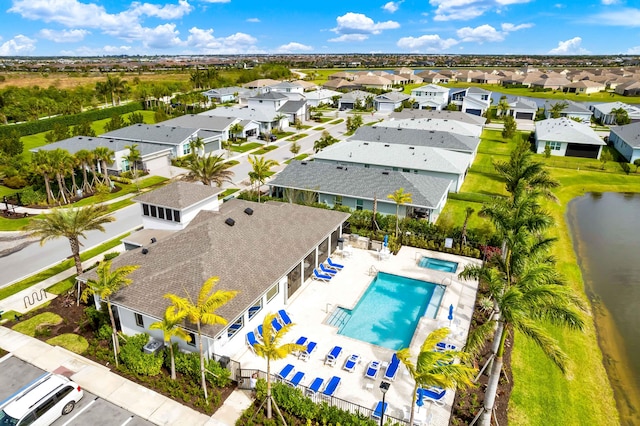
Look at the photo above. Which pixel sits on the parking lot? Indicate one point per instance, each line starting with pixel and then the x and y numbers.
pixel 16 374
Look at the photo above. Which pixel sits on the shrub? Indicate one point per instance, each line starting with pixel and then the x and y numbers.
pixel 138 362
pixel 31 197
pixel 96 318
pixel 104 332
pixel 15 182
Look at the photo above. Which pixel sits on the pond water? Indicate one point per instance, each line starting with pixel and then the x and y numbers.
pixel 606 234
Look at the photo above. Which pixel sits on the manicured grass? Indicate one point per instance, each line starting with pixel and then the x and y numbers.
pixel 265 149
pixel 98 126
pixel 8 315
pixel 318 128
pixel 14 224
pixel 228 192
pixel 298 137
pixel 71 342
pixel 125 190
pixel 30 326
pixel 338 121
pixel 30 142
pixel 541 394
pixel 63 286
pixel 245 147
pixel 298 157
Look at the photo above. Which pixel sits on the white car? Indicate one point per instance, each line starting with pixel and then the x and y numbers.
pixel 42 402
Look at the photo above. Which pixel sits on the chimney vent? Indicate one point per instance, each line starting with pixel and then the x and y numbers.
pixel 248 211
pixel 230 221
pixel 153 240
pixel 145 251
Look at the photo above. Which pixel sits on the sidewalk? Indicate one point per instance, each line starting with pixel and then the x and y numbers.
pixel 122 392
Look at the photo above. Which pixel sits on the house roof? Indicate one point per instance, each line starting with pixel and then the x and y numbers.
pixel 262 82
pixel 431 88
pixel 276 96
pixel 256 114
pixel 630 133
pixel 444 114
pixel 178 195
pixel 392 97
pixel 292 107
pixel 201 121
pixel 355 95
pixel 221 91
pixel 338 84
pixel 360 182
pixel 436 124
pixel 566 130
pixel 307 85
pixel 285 85
pixel 585 84
pixel 478 90
pixel 607 107
pixel 417 137
pixel 158 133
pixel 321 94
pixel 77 143
pixel 372 80
pixel 414 157
pixel 522 103
pixel 572 108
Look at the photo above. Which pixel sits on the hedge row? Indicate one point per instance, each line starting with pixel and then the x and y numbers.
pixel 33 127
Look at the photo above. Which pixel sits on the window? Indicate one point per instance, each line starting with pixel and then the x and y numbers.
pixel 186 149
pixel 125 165
pixel 160 213
pixel 255 309
pixel 176 216
pixel 154 211
pixel 139 320
pixel 44 407
pixel 192 339
pixel 273 291
pixel 169 214
pixel 555 146
pixel 63 392
pixel 145 209
pixel 235 327
pixel 406 170
pixel 338 200
pixel 359 204
pixel 366 166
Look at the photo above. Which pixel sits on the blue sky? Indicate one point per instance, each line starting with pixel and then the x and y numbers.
pixel 115 27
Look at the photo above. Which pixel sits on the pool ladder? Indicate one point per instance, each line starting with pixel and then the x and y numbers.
pixel 339 318
pixel 373 270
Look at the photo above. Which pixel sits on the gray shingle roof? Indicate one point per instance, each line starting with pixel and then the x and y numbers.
pixel 261 115
pixel 417 137
pixel 76 143
pixel 573 107
pixel 355 95
pixel 292 107
pixel 434 124
pixel 630 133
pixel 396 155
pixel 463 117
pixel 392 97
pixel 156 133
pixel 208 247
pixel 201 121
pixel 270 96
pixel 359 182
pixel 178 195
pixel 522 103
pixel 566 130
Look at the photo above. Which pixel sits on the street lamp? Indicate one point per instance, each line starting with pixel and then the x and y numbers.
pixel 384 387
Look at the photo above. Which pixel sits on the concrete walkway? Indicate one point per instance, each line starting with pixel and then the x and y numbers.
pixel 122 392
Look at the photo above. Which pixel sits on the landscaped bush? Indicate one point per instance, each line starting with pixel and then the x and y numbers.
pixel 30 197
pixel 15 182
pixel 138 362
pixel 189 364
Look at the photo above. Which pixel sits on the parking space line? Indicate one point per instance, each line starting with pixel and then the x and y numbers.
pixel 80 412
pixel 6 357
pixel 127 421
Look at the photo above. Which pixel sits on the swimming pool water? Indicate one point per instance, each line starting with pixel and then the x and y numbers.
pixel 388 312
pixel 438 264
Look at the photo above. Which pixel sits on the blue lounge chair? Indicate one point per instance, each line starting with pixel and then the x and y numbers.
pixel 334 265
pixel 259 332
pixel 285 372
pixel 302 340
pixel 443 346
pixel 434 395
pixel 315 386
pixel 321 277
pixel 276 325
pixel 372 370
pixel 392 370
pixel 351 362
pixel 332 356
pixel 251 339
pixel 284 317
pixel 327 271
pixel 296 379
pixel 379 410
pixel 332 386
pixel 306 354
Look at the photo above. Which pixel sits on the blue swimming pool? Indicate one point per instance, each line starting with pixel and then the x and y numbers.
pixel 388 312
pixel 438 264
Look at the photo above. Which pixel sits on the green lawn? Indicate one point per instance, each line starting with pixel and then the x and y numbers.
pixel 265 149
pixel 542 395
pixel 245 147
pixel 30 326
pixel 71 342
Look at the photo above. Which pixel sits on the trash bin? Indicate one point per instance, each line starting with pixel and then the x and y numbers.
pixel 341 243
pixel 224 361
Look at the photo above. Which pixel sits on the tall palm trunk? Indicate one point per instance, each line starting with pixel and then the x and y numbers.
pixel 105 174
pixel 62 189
pixel 269 413
pixel 173 361
pixel 47 187
pixel 75 250
pixel 94 179
pixel 74 185
pixel 204 382
pixel 86 187
pixel 413 403
pixel 116 344
pixel 492 385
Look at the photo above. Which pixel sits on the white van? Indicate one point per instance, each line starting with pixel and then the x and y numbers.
pixel 42 402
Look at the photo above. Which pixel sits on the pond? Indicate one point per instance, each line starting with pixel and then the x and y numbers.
pixel 606 237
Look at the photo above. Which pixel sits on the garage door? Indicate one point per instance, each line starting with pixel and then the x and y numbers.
pixel 157 163
pixel 524 115
pixel 474 111
pixel 584 151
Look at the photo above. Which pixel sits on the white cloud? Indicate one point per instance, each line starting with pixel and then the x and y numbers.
pixel 168 11
pixel 203 40
pixel 349 37
pixel 392 6
pixel 626 17
pixel 253 19
pixel 480 34
pixel 161 37
pixel 507 27
pixel 569 47
pixel 19 45
pixel 427 43
pixel 634 50
pixel 294 47
pixel 609 2
pixel 463 10
pixel 91 51
pixel 64 36
pixel 357 23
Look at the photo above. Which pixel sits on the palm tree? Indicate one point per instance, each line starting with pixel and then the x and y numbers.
pixel 196 145
pixel 503 106
pixel 557 108
pixel 399 197
pixel 202 311
pixel 210 169
pixel 170 328
pixel 107 284
pixel 433 368
pixel 278 119
pixel 41 161
pixel 272 349
pixel 463 235
pixel 260 170
pixel 59 161
pixel 235 130
pixel 103 155
pixel 133 158
pixel 87 159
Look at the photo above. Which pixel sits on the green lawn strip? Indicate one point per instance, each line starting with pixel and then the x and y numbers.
pixel 125 189
pixel 63 286
pixel 245 147
pixel 71 342
pixel 318 128
pixel 265 149
pixel 8 315
pixel 14 224
pixel 5 190
pixel 30 325
pixel 30 142
pixel 298 137
pixel 54 270
pixel 298 157
pixel 283 134
pixel 338 121
pixel 232 163
pixel 228 192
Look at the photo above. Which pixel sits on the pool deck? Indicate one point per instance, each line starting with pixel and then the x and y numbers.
pixel 312 305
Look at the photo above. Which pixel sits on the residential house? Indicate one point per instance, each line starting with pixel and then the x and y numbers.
pixel 264 117
pixel 434 124
pixel 228 244
pixel 154 157
pixel 523 109
pixel 359 188
pixel 430 96
pixel 472 100
pixel 316 98
pixel 626 139
pixel 306 85
pixel 390 101
pixel 486 78
pixel 553 83
pixel 443 114
pixel 342 75
pixel 287 87
pixel 215 123
pixel 224 94
pixel 434 77
pixel 339 84
pixel 567 138
pixel 260 83
pixel 350 99
pixel 584 87
pixel 421 160
pixel 605 112
pixel 178 139
pixel 631 88
pixel 575 110
pixel 294 110
pixel 373 82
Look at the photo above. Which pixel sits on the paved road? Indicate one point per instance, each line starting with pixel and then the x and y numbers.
pixel 34 257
